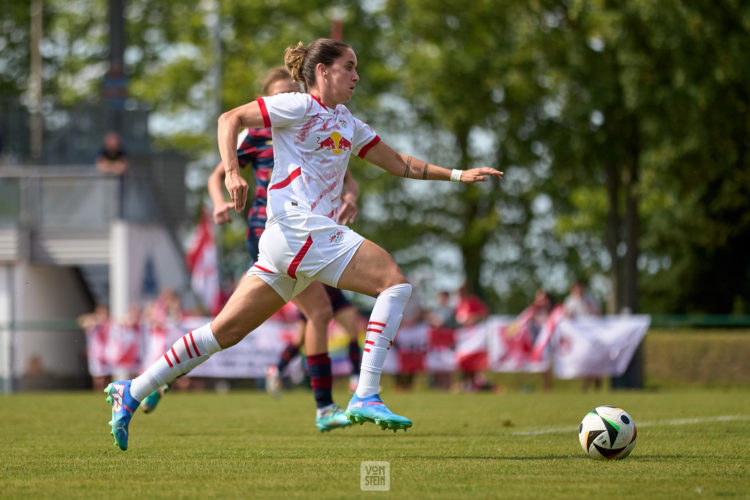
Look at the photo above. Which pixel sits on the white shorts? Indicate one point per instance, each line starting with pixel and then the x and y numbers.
pixel 299 248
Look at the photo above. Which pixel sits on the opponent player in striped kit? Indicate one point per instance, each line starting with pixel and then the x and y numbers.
pixel 313 135
pixel 255 149
pixel 345 314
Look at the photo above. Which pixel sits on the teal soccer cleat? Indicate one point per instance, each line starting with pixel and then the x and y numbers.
pixel 333 418
pixel 123 407
pixel 149 403
pixel 372 409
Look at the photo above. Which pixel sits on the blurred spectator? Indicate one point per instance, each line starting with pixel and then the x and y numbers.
pixel 442 315
pixel 96 325
pixel 580 303
pixel 543 305
pixel 112 158
pixel 470 310
pixel 442 321
pixel 167 309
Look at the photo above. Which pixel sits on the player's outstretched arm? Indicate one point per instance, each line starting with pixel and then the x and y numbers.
pixel 248 115
pixel 403 165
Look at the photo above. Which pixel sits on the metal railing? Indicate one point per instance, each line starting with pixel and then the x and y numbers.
pixel 73 198
pixel 72 134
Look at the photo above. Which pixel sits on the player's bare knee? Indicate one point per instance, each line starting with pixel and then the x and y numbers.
pixel 320 314
pixel 233 337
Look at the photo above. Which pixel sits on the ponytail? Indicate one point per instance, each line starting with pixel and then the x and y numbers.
pixel 294 60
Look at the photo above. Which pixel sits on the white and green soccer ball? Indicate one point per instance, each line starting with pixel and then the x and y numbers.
pixel 607 433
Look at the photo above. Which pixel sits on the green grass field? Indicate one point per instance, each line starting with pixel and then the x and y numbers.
pixel 691 444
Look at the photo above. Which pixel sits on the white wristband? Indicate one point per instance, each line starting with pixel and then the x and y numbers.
pixel 456 175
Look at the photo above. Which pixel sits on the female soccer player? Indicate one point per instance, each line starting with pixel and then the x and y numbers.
pixel 255 148
pixel 313 136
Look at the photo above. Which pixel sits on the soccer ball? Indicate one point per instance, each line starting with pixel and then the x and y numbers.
pixel 607 432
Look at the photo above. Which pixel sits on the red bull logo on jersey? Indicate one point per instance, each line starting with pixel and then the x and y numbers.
pixel 334 142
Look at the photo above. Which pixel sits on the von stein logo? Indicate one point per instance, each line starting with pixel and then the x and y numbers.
pixel 335 143
pixel 375 476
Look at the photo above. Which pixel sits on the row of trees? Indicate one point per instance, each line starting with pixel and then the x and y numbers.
pixel 623 127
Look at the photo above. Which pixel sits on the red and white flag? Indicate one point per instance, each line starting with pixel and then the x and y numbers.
pixel 203 264
pixel 511 345
pixel 548 330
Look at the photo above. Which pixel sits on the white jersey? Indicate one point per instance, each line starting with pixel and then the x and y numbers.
pixel 311 148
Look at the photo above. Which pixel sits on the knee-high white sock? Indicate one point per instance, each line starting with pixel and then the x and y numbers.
pixel 188 352
pixel 381 329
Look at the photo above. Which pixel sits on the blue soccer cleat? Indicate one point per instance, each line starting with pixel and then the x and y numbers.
pixel 333 418
pixel 123 407
pixel 372 409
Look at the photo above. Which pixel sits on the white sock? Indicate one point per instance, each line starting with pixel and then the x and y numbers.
pixel 188 352
pixel 381 329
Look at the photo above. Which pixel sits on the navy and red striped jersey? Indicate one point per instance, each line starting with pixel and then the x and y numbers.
pixel 256 149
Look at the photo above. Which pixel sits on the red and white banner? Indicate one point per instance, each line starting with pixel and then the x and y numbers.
pixel 247 359
pixel 597 346
pixel 203 265
pixel 590 346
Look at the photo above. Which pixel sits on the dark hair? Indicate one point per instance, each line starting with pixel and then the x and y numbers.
pixel 302 60
pixel 274 75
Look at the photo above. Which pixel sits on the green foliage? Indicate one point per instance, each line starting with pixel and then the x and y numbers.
pixel 633 87
pixel 449 63
pixel 705 132
pixel 14 47
pixel 582 103
pixel 73 39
